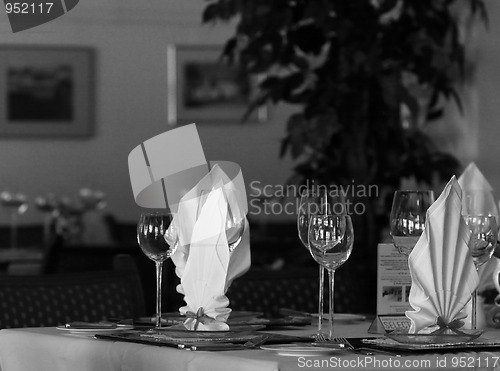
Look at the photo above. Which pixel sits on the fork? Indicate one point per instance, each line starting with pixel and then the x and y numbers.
pixel 346 343
pixel 321 340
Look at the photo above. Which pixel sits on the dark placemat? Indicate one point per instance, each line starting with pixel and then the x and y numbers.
pixel 149 338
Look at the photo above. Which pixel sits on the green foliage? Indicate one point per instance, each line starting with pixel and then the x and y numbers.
pixel 352 65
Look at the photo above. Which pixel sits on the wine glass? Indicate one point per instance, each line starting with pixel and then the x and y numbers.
pixel 313 202
pixel 158 243
pixel 480 212
pixel 18 204
pixel 331 238
pixel 408 215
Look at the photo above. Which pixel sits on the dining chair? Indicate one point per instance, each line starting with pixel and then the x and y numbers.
pixel 54 299
pixel 63 258
pixel 28 235
pixel 30 247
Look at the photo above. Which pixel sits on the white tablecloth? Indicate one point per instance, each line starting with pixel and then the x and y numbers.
pixel 48 349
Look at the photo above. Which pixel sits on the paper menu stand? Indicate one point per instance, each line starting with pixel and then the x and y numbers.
pixel 393 290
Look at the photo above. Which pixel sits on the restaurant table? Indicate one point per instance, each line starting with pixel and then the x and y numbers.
pixel 49 349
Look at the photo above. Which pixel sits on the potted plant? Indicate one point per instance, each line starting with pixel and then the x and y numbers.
pixel 370 77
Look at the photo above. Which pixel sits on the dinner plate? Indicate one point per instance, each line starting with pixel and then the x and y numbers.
pixel 342 317
pixel 94 330
pixel 300 350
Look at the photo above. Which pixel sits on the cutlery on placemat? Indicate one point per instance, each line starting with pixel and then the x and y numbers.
pixel 252 343
pixel 90 325
pixel 362 349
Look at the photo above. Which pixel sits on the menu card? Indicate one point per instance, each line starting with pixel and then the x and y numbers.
pixel 393 288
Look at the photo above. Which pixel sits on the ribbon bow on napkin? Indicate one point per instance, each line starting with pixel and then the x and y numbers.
pixel 441 267
pixel 204 261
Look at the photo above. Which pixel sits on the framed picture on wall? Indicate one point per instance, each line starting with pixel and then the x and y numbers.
pixel 202 88
pixel 46 91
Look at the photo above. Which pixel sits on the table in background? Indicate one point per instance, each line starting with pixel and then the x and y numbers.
pixel 51 349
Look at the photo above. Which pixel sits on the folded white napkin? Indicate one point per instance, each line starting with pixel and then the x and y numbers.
pixel 203 260
pixel 441 267
pixel 472 179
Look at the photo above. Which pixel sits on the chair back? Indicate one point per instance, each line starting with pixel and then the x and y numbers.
pixel 267 291
pixel 51 300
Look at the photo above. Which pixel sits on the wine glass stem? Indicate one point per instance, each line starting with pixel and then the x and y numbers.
pixel 320 298
pixel 159 269
pixel 474 311
pixel 47 224
pixel 13 232
pixel 331 297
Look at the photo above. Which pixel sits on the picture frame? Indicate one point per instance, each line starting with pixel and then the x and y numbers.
pixel 46 91
pixel 204 89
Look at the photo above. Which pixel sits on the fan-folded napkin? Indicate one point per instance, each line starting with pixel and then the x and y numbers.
pixel 441 266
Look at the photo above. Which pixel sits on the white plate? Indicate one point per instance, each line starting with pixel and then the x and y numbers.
pixel 96 330
pixel 300 350
pixel 342 317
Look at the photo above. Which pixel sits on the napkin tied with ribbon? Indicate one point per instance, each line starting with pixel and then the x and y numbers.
pixel 209 204
pixel 441 266
pixel 204 262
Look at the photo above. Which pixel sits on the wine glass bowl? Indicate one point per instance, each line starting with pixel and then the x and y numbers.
pixel 483 237
pixel 151 232
pixel 407 220
pixel 158 241
pixel 235 223
pixel 234 232
pixel 326 240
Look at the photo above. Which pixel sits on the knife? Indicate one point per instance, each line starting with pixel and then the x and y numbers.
pixel 90 325
pixel 212 346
